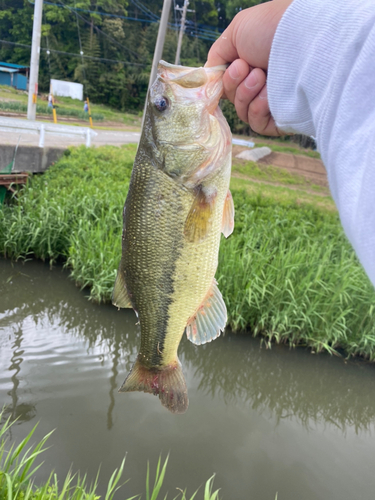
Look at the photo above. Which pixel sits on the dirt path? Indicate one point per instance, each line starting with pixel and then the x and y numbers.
pixel 312 169
pixel 280 184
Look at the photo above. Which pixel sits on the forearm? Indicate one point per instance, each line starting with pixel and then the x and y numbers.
pixel 321 82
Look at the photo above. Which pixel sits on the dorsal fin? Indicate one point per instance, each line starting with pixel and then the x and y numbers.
pixel 210 319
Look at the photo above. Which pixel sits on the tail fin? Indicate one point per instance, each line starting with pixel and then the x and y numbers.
pixel 169 384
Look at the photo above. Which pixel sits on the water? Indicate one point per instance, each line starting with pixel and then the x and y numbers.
pixel 264 421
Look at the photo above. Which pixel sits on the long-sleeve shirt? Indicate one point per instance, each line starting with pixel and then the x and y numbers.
pixel 321 82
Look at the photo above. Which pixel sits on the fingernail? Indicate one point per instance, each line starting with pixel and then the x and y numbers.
pixel 263 93
pixel 251 80
pixel 233 71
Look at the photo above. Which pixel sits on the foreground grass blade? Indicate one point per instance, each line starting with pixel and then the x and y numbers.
pixel 17 468
pixel 159 478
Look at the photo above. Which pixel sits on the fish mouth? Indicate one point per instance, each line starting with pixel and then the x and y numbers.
pixel 165 64
pixel 191 78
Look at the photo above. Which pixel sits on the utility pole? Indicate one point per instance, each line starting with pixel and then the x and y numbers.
pixel 158 53
pixel 181 34
pixel 34 62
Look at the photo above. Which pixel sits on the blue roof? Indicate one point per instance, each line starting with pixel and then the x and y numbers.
pixel 7 70
pixel 11 65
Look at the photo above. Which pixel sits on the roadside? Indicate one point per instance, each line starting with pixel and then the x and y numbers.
pixel 289 167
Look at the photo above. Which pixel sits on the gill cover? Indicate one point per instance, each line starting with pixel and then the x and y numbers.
pixel 184 122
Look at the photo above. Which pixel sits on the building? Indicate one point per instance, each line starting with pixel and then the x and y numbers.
pixel 14 75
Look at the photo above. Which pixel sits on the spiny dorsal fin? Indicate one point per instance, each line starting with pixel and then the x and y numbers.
pixel 228 216
pixel 120 297
pixel 210 319
pixel 167 383
pixel 199 219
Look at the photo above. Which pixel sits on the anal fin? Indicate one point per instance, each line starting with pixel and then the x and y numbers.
pixel 168 383
pixel 120 296
pixel 228 216
pixel 210 319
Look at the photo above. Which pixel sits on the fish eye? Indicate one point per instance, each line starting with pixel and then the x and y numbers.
pixel 161 103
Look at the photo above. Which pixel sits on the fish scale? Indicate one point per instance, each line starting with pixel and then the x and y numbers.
pixel 177 206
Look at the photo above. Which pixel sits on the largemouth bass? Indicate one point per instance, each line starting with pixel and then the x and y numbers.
pixel 176 208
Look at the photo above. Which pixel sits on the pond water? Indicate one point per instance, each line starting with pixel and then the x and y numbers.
pixel 264 421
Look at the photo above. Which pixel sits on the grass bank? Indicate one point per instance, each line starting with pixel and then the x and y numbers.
pixel 19 465
pixel 15 101
pixel 43 109
pixel 287 272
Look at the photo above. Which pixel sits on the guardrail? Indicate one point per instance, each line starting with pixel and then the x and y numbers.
pixel 242 142
pixel 31 127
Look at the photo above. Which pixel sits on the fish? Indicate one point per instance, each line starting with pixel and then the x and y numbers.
pixel 177 206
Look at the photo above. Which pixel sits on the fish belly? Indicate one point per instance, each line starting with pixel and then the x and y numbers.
pixel 167 277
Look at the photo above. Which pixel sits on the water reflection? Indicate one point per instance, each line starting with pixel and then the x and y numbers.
pixel 290 384
pixel 113 382
pixel 17 411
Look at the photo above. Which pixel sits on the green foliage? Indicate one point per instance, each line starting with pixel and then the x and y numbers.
pixel 236 125
pixel 19 464
pixel 287 273
pixel 233 7
pixel 118 51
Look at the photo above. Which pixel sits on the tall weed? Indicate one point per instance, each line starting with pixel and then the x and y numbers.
pixel 287 272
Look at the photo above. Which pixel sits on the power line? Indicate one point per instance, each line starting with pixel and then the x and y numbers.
pixel 200 31
pixel 89 23
pixel 145 10
pixel 98 29
pixel 77 55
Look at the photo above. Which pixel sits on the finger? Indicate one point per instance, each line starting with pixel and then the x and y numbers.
pixel 247 92
pixel 223 50
pixel 259 115
pixel 249 37
pixel 234 76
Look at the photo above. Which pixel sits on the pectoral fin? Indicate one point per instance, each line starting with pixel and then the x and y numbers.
pixel 228 216
pixel 199 219
pixel 120 296
pixel 210 319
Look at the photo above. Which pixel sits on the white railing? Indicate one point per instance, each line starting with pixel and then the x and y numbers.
pixel 241 142
pixel 31 127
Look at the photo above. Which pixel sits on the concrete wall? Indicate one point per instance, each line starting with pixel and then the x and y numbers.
pixel 29 158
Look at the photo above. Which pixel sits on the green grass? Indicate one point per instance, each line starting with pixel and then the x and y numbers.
pixel 43 109
pixel 16 101
pixel 272 174
pixel 19 465
pixel 283 194
pixel 287 272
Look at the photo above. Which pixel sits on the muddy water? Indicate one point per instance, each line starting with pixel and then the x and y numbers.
pixel 264 421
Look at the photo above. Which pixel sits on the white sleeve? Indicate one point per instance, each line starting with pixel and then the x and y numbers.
pixel 321 82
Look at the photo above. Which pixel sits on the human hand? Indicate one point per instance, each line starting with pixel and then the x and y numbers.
pixel 246 43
